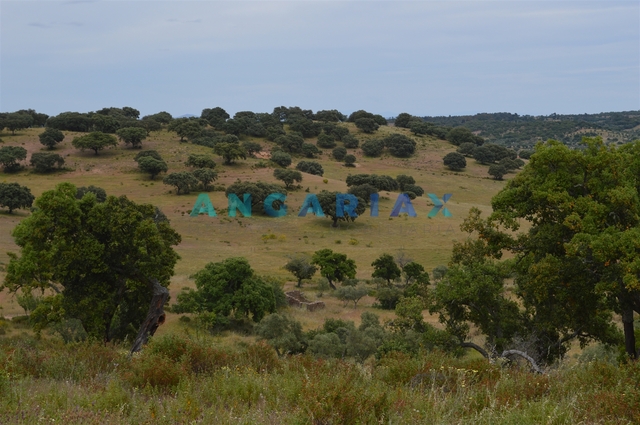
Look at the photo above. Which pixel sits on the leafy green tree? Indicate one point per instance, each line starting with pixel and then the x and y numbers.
pixel 414 272
pixel 400 145
pixel 363 191
pixel 46 162
pixel 309 150
pixel 460 135
pixel 526 153
pixel 351 294
pixel 292 142
pixel 14 196
pixel 39 119
pixel 16 121
pixel 288 177
pixel 301 268
pixel 380 182
pixel 104 123
pixel 350 141
pixel 306 127
pixel 200 161
pixel 216 117
pixel 104 262
pixel 388 297
pixel 404 180
pixel 349 160
pixel 150 125
pixel 310 167
pixel 95 141
pixel 497 171
pixel 385 267
pixel 150 153
pixel 184 181
pixel 252 148
pixel 51 137
pixel 161 117
pixel 205 176
pixel 230 152
pixel 152 166
pixel 10 157
pixel 229 288
pixel 338 132
pixel 99 193
pixel 132 136
pixel 71 121
pixel 439 272
pixel 335 267
pixel 283 333
pixel 373 148
pixel 327 202
pixel 326 141
pixel 454 161
pixel 403 119
pixel 483 155
pixel 378 119
pixel 466 149
pixel 332 115
pixel 283 159
pixel 258 191
pixel 339 153
pixel 367 125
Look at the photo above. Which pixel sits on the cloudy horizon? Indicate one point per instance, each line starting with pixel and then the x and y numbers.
pixel 387 57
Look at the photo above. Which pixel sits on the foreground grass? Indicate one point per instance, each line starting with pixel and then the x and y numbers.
pixel 179 380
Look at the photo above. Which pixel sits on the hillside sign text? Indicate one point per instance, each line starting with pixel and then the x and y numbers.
pixel 346 203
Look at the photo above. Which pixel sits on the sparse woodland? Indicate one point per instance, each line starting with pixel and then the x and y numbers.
pixel 128 296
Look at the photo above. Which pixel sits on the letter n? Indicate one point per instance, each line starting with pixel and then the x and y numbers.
pixel 244 207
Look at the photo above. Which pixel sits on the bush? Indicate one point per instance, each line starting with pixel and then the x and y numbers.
pixel 400 145
pixel 283 159
pixel 454 161
pixel 51 137
pixel 414 188
pixel 349 160
pixel 199 161
pixel 309 150
pixel 388 298
pixel 367 125
pixel 326 141
pixel 339 153
pixel 46 162
pixel 310 167
pixel 350 141
pixel 373 148
pixel 497 171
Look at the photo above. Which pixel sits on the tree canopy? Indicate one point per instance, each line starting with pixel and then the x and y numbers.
pixel 10 157
pixel 95 141
pixel 328 202
pixel 132 136
pixel 334 266
pixel 104 261
pixel 51 137
pixel 14 196
pixel 44 162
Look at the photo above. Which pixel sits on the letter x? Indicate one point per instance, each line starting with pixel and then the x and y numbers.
pixel 439 205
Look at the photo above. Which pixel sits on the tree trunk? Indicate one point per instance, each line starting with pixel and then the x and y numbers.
pixel 155 315
pixel 629 335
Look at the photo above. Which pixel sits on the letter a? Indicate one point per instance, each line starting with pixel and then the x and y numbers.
pixel 311 205
pixel 403 205
pixel 203 205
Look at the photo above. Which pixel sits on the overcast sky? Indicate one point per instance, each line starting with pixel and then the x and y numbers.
pixel 387 57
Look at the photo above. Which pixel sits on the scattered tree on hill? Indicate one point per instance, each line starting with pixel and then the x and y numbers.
pixel 10 157
pixel 404 180
pixel 283 159
pixel 378 119
pixel 367 125
pixel 152 166
pixel 229 289
pixel 310 167
pixel 258 191
pixel 288 177
pixel 184 181
pixel 400 145
pixel 252 148
pixel 460 135
pixel 466 149
pixel 216 117
pixel 327 202
pixel 339 153
pixel 373 148
pixel 363 191
pixel 132 136
pixel 525 153
pixel 326 141
pixel 152 153
pixel 414 188
pixel 380 182
pixel 351 294
pixel 335 267
pixel 112 263
pixel 454 161
pixel 301 268
pixel 403 119
pixel 332 115
pixel 51 137
pixel 497 171
pixel 349 160
pixel 161 117
pixel 309 150
pixel 292 142
pixel 71 121
pixel 44 162
pixel 205 176
pixel 230 152
pixel 350 141
pixel 95 141
pixel 200 161
pixel 483 155
pixel 150 125
pixel 16 121
pixel 284 334
pixel 386 268
pixel 14 196
pixel 414 272
pixel 100 193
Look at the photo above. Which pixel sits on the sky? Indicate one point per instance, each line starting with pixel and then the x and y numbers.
pixel 426 58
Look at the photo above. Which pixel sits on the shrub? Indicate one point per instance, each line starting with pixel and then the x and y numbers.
pixel 454 161
pixel 349 160
pixel 309 150
pixel 310 167
pixel 200 161
pixel 350 141
pixel 45 162
pixel 400 145
pixel 339 153
pixel 326 141
pixel 283 159
pixel 373 148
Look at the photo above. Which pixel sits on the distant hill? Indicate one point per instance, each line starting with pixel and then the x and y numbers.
pixel 523 131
